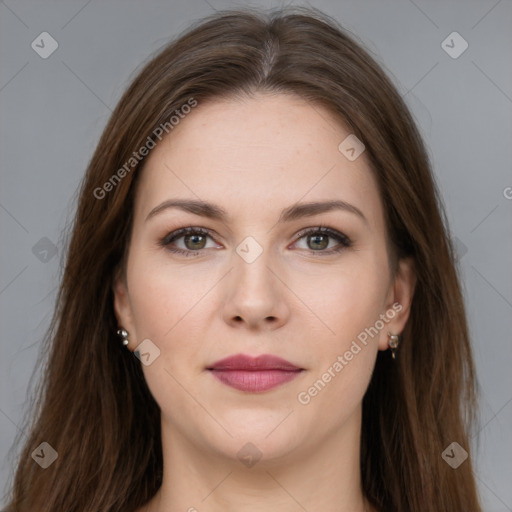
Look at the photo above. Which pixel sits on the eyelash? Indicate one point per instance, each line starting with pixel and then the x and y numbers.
pixel 345 242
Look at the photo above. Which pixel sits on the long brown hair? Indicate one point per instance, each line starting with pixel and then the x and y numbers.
pixel 94 407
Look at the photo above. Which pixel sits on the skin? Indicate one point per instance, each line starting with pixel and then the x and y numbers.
pixel 254 157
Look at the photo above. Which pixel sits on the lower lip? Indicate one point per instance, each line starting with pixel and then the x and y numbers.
pixel 254 381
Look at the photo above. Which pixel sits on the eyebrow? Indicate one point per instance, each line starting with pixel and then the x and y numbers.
pixel 294 212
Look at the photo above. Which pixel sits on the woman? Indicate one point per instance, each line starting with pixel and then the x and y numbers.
pixel 260 226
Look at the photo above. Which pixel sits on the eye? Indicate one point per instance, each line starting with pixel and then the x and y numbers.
pixel 195 238
pixel 317 239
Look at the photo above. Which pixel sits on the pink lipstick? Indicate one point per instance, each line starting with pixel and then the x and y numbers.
pixel 254 374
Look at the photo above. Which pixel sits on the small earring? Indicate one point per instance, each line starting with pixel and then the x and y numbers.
pixel 393 342
pixel 124 334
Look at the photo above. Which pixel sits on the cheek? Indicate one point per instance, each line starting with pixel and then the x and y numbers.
pixel 348 302
pixel 172 308
pixel 336 393
pixel 344 359
pixel 161 295
pixel 167 310
pixel 345 300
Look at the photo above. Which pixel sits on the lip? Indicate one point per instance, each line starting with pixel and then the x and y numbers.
pixel 254 374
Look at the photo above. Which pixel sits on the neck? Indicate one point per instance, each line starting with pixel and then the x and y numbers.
pixel 319 477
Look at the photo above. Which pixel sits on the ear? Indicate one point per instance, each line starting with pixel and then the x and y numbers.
pixel 122 306
pixel 399 300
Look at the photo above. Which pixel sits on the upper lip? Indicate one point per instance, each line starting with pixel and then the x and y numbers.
pixel 249 363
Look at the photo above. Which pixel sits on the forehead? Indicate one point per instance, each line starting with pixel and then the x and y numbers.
pixel 254 154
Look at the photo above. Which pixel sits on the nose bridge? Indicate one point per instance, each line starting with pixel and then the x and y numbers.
pixel 251 261
pixel 255 294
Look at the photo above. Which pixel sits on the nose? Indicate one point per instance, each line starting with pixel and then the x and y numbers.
pixel 256 297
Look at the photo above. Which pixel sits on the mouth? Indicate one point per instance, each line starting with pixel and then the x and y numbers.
pixel 254 374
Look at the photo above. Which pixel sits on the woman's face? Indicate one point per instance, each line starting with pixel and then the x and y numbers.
pixel 255 283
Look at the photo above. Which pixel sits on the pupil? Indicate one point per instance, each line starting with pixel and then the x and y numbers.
pixel 322 245
pixel 189 237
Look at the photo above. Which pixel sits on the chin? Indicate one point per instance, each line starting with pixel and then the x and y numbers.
pixel 258 435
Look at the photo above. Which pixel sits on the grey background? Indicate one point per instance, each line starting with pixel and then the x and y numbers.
pixel 52 112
